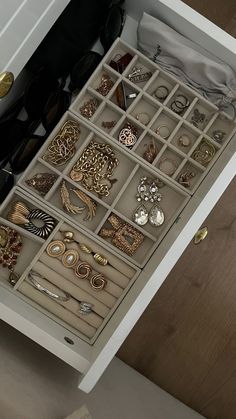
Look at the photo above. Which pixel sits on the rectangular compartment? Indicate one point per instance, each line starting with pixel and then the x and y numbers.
pixel 89 104
pixel 144 110
pixel 161 87
pixel 128 132
pixel 221 129
pixel 168 161
pixel 171 201
pixel 148 147
pixel 124 95
pixel 107 118
pixel 141 72
pixel 164 124
pixel 120 169
pixel 55 276
pixel 180 101
pixel 131 234
pixel 42 219
pixel 189 176
pixel 205 152
pixel 29 248
pixel 40 178
pixel 60 154
pixel 104 81
pixel 80 207
pixel 201 114
pixel 184 138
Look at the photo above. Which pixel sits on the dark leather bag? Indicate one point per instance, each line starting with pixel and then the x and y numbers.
pixel 74 33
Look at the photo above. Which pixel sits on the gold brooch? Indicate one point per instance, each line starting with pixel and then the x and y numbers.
pixel 124 236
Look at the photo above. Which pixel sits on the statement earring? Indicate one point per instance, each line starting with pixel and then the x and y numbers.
pixel 70 259
pixel 148 191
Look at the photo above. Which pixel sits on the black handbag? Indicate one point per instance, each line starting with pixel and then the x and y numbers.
pixel 74 32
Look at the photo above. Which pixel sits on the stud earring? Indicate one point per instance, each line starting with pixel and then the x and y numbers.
pixel 70 258
pixel 83 270
pixel 56 248
pixel 98 282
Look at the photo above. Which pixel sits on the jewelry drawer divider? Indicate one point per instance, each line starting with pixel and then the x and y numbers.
pixel 215 122
pixel 151 240
pixel 35 252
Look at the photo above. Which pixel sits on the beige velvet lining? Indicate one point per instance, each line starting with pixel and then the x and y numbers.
pixel 72 304
pixel 118 264
pixel 78 294
pixel 116 279
pixel 58 310
pixel 83 284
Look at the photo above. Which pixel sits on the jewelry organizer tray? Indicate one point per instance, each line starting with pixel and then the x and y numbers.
pixel 181 140
pixel 121 201
pixel 115 210
pixel 61 280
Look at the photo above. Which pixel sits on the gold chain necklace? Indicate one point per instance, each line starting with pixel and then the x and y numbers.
pixel 95 168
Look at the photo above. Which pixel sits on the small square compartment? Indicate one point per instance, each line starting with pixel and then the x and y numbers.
pixel 184 138
pixel 144 110
pixel 140 67
pixel 104 82
pixel 164 125
pixel 75 200
pixel 84 132
pixel 136 133
pixel 201 115
pixel 169 162
pixel 142 251
pixel 171 202
pixel 30 248
pixel 189 176
pixel 126 90
pixel 119 176
pixel 148 148
pixel 180 101
pixel 107 118
pixel 205 152
pixel 31 205
pixel 90 100
pixel 164 84
pixel 43 186
pixel 120 52
pixel 222 129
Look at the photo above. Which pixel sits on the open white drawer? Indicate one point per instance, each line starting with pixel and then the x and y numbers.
pixel 92 359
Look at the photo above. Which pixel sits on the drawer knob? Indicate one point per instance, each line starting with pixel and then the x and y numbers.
pixel 200 235
pixel 6 83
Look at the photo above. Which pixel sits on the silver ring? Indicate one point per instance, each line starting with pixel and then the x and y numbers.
pixel 163 92
pixel 163 131
pixel 143 117
pixel 44 290
pixel 85 308
pixel 167 166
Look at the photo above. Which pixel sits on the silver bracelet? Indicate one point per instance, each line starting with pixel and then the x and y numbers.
pixel 44 290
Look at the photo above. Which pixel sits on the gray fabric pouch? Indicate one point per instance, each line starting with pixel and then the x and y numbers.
pixel 189 62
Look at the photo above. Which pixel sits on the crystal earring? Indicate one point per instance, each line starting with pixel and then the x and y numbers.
pixel 156 215
pixel 148 191
pixel 140 216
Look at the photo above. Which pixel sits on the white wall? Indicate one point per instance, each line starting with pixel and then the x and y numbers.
pixel 36 385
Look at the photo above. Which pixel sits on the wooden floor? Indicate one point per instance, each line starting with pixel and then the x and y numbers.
pixel 186 340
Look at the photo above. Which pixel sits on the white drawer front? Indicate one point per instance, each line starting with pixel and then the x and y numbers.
pixel 24 23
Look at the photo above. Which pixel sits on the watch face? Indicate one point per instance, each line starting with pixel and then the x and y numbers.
pixel 6 82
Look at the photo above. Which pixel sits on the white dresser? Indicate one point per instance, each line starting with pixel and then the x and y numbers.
pixel 92 359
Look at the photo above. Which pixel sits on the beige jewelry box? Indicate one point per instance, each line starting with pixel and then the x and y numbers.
pixel 98 336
